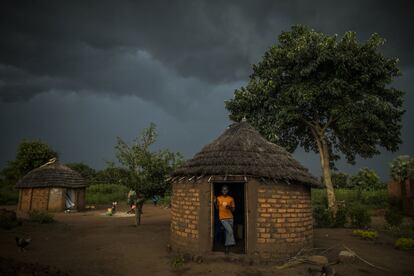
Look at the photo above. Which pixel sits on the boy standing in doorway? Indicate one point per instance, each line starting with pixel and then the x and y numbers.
pixel 225 205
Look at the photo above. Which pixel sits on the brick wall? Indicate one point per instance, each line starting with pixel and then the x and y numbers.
pixel 284 220
pixel 185 204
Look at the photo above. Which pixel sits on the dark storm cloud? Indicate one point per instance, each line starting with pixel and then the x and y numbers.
pixel 75 71
pixel 74 46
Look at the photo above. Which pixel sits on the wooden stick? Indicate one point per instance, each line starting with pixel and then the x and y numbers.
pixel 365 261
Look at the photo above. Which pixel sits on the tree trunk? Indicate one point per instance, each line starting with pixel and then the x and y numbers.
pixel 326 170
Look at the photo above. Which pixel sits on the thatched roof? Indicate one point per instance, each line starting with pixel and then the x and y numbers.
pixel 241 150
pixel 52 175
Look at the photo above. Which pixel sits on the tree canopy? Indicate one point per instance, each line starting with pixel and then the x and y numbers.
pixel 325 93
pixel 30 155
pixel 402 168
pixel 147 169
pixel 366 179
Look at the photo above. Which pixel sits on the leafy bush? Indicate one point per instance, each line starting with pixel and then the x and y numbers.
pixel 165 201
pixel 323 217
pixel 105 193
pixel 368 235
pixel 393 217
pixel 366 179
pixel 374 199
pixel 371 199
pixel 341 217
pixel 40 216
pixel 405 243
pixel 359 216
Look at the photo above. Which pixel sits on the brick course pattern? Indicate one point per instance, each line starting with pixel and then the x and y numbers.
pixel 284 220
pixel 185 204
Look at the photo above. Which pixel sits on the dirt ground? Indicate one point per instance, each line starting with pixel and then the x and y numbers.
pixel 90 243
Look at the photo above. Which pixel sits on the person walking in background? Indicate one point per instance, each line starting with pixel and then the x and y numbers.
pixel 225 205
pixel 155 199
pixel 139 203
pixel 132 195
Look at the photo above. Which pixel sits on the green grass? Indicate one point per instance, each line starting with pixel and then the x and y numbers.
pixel 370 199
pixel 106 193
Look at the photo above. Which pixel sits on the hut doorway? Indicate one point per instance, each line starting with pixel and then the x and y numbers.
pixel 237 191
pixel 70 198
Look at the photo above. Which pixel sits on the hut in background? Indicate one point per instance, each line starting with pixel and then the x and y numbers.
pixel 52 187
pixel 273 217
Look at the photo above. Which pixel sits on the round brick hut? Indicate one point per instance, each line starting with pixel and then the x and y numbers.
pixel 52 187
pixel 273 216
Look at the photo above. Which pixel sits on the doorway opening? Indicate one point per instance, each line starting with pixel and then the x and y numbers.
pixel 237 191
pixel 70 199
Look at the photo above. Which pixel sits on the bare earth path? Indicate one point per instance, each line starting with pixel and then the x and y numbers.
pixel 90 243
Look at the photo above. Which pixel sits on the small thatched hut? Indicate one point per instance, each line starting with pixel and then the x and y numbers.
pixel 273 217
pixel 52 187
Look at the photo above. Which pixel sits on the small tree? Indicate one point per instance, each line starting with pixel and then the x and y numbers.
pixel 148 169
pixel 366 179
pixel 327 94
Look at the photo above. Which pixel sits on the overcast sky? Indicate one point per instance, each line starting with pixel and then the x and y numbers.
pixel 76 74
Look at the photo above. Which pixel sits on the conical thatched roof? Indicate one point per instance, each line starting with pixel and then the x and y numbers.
pixel 241 150
pixel 52 175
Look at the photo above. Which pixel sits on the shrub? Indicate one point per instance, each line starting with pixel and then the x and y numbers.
pixel 374 199
pixel 341 217
pixel 368 235
pixel 404 243
pixel 366 179
pixel 40 216
pixel 106 193
pixel 359 216
pixel 323 216
pixel 165 201
pixel 393 217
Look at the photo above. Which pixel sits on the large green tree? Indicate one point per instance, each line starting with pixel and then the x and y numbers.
pixel 87 172
pixel 148 169
pixel 327 94
pixel 29 155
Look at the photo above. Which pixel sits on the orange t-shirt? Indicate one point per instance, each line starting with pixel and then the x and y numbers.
pixel 222 202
